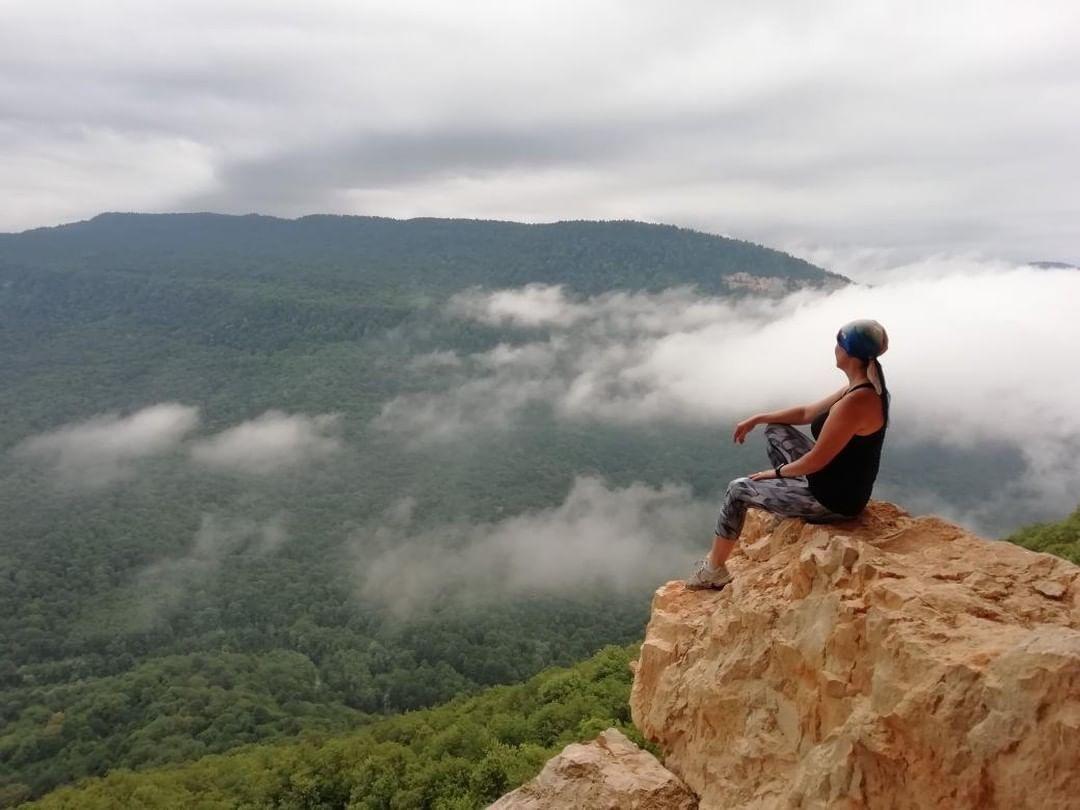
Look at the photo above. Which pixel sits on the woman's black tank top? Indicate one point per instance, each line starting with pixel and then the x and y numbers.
pixel 845 483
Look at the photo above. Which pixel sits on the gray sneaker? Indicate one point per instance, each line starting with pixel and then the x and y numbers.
pixel 705 576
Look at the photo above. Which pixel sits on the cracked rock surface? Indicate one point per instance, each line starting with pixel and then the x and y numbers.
pixel 887 662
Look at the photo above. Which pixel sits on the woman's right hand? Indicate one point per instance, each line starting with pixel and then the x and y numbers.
pixel 741 429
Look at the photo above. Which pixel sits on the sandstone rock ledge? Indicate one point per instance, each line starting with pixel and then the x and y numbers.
pixel 888 662
pixel 609 773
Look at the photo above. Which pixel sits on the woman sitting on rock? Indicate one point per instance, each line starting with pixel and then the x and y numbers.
pixel 824 481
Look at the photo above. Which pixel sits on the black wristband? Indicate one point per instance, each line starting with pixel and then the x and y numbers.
pixel 777 469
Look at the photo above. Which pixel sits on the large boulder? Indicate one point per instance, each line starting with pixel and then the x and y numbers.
pixel 609 773
pixel 890 661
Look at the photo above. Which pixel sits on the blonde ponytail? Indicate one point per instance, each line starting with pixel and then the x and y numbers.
pixel 876 374
pixel 873 371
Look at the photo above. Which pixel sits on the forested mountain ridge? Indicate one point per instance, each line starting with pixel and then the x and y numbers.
pixel 338 253
pixel 261 284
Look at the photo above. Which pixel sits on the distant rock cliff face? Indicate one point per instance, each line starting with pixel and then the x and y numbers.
pixel 887 662
pixel 778 285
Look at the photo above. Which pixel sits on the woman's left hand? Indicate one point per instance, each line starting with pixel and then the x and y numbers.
pixel 764 475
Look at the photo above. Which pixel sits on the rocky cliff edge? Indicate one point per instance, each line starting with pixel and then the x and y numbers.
pixel 888 662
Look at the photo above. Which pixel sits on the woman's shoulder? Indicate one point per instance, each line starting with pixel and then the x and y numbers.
pixel 866 406
pixel 864 394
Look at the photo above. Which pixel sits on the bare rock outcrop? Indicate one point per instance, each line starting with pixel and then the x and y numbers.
pixel 888 662
pixel 609 773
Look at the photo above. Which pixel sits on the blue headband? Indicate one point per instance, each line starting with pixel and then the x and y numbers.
pixel 858 339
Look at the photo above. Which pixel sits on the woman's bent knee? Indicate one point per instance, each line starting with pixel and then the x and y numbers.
pixel 738 483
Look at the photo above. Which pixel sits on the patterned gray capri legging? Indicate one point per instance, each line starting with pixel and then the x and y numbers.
pixel 790 497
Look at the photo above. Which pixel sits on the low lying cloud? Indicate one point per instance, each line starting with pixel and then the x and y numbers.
pixel 978 352
pixel 598 537
pixel 164 585
pixel 105 448
pixel 270 443
pixel 501 383
pixel 435 360
pixel 617 313
pixel 585 351
pixel 532 305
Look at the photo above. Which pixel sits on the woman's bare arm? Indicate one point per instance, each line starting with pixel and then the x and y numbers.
pixel 814 408
pixel 800 414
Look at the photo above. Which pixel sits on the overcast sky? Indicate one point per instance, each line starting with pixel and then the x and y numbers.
pixel 831 129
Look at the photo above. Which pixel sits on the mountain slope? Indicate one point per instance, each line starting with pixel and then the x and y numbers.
pixel 460 755
pixel 1054 537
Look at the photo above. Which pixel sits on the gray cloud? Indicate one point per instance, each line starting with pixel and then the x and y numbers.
pixel 435 360
pixel 532 305
pixel 105 448
pixel 315 174
pixel 165 584
pixel 270 443
pixel 978 354
pixel 598 537
pixel 837 126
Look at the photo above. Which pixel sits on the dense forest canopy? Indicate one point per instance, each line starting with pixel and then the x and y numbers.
pixel 460 755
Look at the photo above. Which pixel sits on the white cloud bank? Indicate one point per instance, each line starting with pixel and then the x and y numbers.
pixel 598 537
pixel 105 448
pixel 977 352
pixel 271 443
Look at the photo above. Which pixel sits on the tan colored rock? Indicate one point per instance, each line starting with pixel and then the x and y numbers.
pixel 887 662
pixel 609 773
pixel 1048 587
